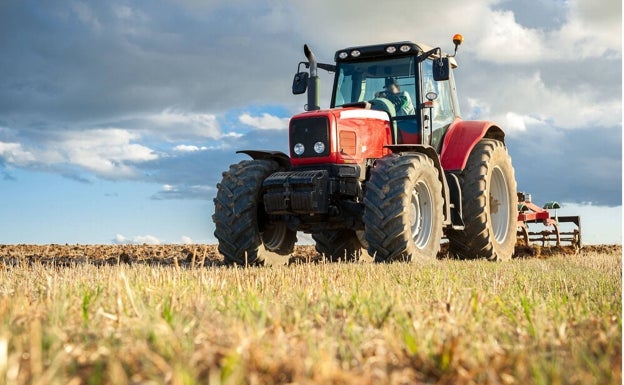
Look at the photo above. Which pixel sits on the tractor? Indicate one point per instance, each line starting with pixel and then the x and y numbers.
pixel 390 168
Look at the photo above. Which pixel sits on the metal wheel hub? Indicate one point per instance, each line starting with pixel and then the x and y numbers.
pixel 421 215
pixel 499 205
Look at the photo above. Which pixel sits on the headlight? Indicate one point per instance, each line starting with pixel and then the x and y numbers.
pixel 405 48
pixel 298 149
pixel 391 49
pixel 343 55
pixel 319 147
pixel 355 53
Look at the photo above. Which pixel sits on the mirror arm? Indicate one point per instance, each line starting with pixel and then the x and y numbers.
pixel 425 55
pixel 323 66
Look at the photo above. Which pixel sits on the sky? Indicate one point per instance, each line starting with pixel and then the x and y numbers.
pixel 117 118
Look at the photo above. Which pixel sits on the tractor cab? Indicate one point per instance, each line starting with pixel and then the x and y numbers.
pixel 412 83
pixel 399 79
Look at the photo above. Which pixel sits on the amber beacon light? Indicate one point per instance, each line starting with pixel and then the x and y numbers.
pixel 458 38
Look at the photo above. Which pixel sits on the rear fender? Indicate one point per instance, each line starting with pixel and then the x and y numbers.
pixel 282 159
pixel 461 138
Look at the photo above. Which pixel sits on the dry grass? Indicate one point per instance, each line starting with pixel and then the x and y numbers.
pixel 544 321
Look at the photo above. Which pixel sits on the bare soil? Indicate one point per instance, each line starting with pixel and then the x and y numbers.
pixel 207 255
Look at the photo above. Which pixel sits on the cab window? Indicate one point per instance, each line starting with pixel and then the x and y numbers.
pixel 363 81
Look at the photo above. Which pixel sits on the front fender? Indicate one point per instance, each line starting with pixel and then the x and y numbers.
pixel 282 159
pixel 461 138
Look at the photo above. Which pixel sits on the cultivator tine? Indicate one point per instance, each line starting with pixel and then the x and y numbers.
pixel 549 227
pixel 574 235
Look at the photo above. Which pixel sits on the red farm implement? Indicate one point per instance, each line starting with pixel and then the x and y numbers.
pixel 548 228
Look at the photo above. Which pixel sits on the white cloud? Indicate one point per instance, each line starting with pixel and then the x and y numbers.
pixel 514 122
pixel 589 30
pixel 189 148
pixel 176 124
pixel 104 151
pixel 187 240
pixel 136 240
pixel 526 100
pixel 15 154
pixel 109 153
pixel 506 41
pixel 264 122
pixel 232 135
pixel 593 29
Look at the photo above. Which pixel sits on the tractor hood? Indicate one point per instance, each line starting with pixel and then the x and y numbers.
pixel 338 136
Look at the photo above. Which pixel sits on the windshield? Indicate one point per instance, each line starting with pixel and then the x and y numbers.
pixel 365 81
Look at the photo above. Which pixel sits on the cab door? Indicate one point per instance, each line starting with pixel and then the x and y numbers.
pixel 437 119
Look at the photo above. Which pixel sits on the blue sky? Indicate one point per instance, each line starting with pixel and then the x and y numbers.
pixel 118 117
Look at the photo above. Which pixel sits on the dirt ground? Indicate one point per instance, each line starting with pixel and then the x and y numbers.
pixel 205 255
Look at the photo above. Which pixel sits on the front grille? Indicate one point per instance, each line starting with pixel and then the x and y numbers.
pixel 308 131
pixel 303 192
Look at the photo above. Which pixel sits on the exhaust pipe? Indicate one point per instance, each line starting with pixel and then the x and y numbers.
pixel 313 81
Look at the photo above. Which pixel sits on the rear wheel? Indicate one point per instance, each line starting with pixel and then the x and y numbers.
pixel 241 224
pixel 278 238
pixel 338 245
pixel 490 205
pixel 403 209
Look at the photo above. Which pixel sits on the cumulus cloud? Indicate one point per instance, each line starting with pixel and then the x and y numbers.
pixel 14 153
pixel 108 153
pixel 264 122
pixel 593 29
pixel 189 148
pixel 573 30
pixel 179 124
pixel 529 96
pixel 187 240
pixel 503 40
pixel 136 240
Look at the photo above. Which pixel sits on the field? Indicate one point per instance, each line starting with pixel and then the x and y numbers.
pixel 174 315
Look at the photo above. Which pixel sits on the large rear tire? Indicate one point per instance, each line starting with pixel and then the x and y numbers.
pixel 338 245
pixel 403 214
pixel 241 224
pixel 490 205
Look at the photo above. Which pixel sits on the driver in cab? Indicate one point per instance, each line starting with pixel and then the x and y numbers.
pixel 401 99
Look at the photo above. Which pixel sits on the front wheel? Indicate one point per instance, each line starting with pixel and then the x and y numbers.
pixel 241 224
pixel 403 214
pixel 490 205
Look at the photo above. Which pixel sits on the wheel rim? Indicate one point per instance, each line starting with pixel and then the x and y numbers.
pixel 421 214
pixel 499 205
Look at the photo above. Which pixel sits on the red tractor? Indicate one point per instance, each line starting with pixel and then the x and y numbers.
pixel 390 167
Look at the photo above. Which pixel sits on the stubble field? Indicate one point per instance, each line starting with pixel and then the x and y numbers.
pixel 174 315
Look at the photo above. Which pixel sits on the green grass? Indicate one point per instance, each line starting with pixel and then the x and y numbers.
pixel 543 321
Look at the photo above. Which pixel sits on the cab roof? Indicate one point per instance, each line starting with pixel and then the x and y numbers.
pixel 387 50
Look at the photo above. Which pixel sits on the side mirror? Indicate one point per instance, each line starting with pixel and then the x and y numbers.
pixel 441 69
pixel 300 83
